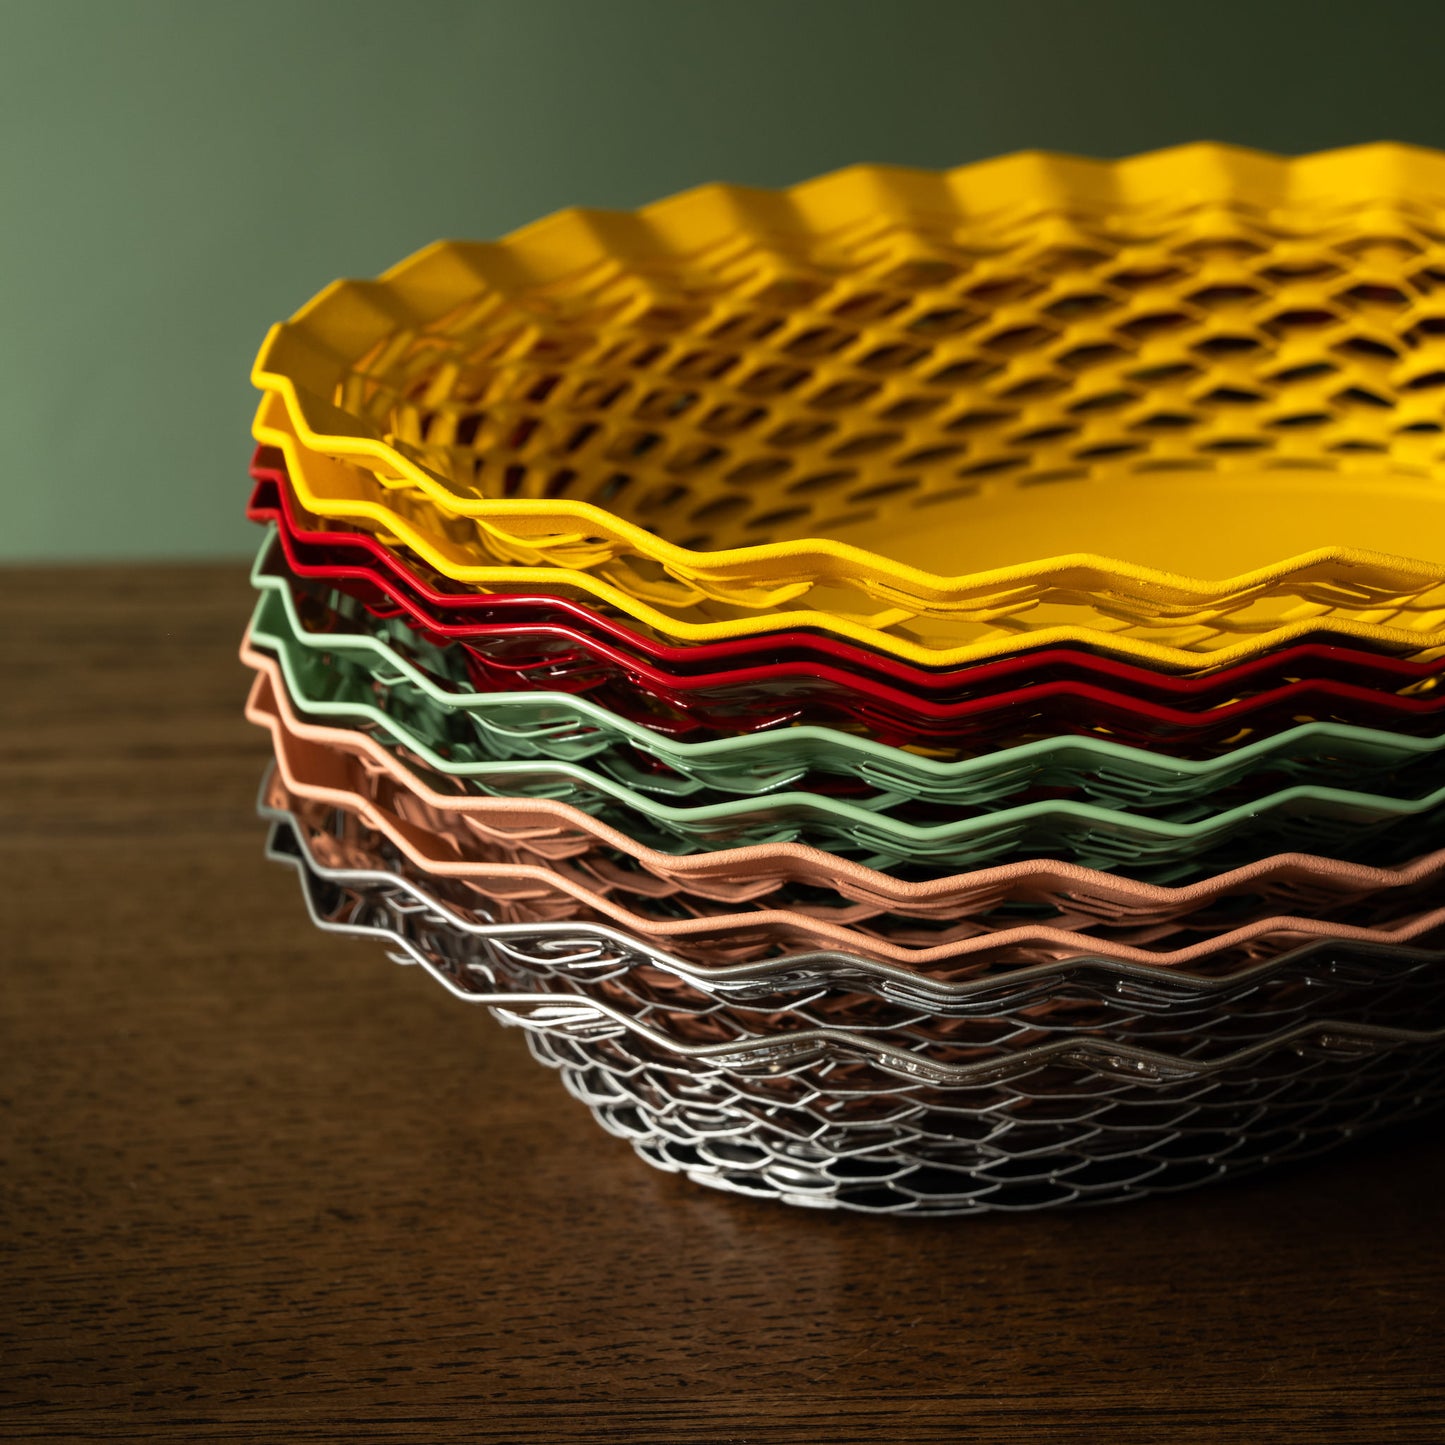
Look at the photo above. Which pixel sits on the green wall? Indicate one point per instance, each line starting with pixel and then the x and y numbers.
pixel 176 174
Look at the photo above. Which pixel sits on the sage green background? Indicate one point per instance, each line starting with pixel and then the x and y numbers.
pixel 176 174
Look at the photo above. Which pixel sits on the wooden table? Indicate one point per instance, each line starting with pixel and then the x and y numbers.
pixel 260 1184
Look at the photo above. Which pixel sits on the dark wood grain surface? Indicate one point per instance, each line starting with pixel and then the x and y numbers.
pixel 257 1183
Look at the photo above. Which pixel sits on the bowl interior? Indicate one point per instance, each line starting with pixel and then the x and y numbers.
pixel 1209 525
pixel 1202 392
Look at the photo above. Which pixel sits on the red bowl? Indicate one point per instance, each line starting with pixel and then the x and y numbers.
pixel 551 643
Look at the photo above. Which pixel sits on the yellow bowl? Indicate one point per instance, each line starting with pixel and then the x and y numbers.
pixel 1177 405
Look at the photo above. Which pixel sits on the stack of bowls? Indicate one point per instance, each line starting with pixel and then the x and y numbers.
pixel 920 692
